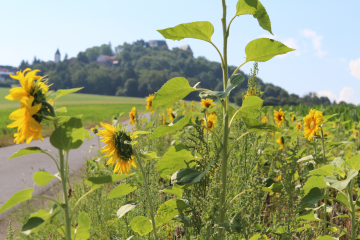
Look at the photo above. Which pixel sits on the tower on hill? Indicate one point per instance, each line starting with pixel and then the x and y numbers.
pixel 57 56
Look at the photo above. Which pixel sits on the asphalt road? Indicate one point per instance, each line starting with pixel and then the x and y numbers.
pixel 16 174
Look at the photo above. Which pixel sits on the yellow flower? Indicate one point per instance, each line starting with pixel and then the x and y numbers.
pixel 192 103
pixel 133 116
pixel 335 125
pixel 265 120
pixel 293 118
pixel 51 102
pixel 28 127
pixel 149 100
pixel 211 119
pixel 30 85
pixel 325 134
pixel 298 126
pixel 279 177
pixel 171 114
pixel 163 118
pixel 206 103
pixel 184 112
pixel 312 123
pixel 281 142
pixel 355 131
pixel 120 153
pixel 279 117
pixel 184 103
pixel 191 110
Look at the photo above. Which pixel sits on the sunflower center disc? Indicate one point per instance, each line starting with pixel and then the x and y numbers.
pixel 312 124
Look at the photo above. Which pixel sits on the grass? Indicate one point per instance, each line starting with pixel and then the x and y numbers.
pixel 95 108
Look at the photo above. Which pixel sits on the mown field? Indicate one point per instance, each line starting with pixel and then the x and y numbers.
pixel 94 108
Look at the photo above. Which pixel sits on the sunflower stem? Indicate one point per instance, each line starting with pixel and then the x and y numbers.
pixel 66 205
pixel 325 190
pixel 147 192
pixel 225 139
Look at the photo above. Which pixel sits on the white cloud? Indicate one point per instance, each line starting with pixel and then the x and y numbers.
pixel 355 68
pixel 328 94
pixel 316 41
pixel 347 94
pixel 342 59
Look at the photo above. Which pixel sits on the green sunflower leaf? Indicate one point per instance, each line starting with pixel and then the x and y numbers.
pixel 63 92
pixel 18 197
pixel 121 190
pixel 83 228
pixel 169 210
pixel 42 178
pixel 27 151
pixel 233 82
pixel 254 125
pixel 142 225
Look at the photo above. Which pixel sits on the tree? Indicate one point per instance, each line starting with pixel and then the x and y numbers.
pixel 81 57
pixel 131 87
pixel 92 53
pixel 106 50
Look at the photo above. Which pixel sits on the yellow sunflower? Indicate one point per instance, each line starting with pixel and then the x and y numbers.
pixel 206 103
pixel 312 123
pixel 133 116
pixel 149 100
pixel 293 118
pixel 279 117
pixel 355 134
pixel 184 103
pixel 265 120
pixel 192 103
pixel 281 142
pixel 325 134
pixel 117 148
pixel 163 118
pixel 298 126
pixel 171 114
pixel 28 127
pixel 30 85
pixel 211 119
pixel 184 112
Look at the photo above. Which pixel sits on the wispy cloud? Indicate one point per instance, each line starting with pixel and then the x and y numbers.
pixel 347 94
pixel 316 41
pixel 355 68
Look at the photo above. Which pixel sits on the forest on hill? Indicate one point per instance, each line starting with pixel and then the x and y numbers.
pixel 142 70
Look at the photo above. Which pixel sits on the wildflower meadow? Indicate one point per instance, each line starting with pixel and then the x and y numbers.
pixel 203 169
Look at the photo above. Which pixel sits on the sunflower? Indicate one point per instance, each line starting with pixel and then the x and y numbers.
pixel 211 119
pixel 163 118
pixel 171 114
pixel 335 125
pixel 325 134
pixel 184 112
pixel 265 120
pixel 312 123
pixel 192 103
pixel 206 103
pixel 279 117
pixel 355 134
pixel 293 118
pixel 281 142
pixel 117 148
pixel 31 85
pixel 149 101
pixel 28 127
pixel 184 103
pixel 298 126
pixel 133 116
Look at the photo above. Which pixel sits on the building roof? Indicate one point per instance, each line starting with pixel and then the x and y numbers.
pixel 108 57
pixel 186 48
pixel 57 52
pixel 157 43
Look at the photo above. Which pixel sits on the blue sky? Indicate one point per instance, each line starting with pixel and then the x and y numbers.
pixel 326 36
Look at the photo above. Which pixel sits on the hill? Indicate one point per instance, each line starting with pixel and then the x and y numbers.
pixel 141 70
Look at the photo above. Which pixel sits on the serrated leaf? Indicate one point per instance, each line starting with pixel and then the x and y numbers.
pixel 188 176
pixel 198 30
pixel 250 108
pixel 169 210
pixel 63 92
pixel 254 125
pixel 69 135
pixel 121 190
pixel 42 178
pixel 264 49
pixel 164 130
pixel 27 151
pixel 312 197
pixel 82 231
pixel 255 8
pixel 142 225
pixel 341 184
pixel 306 217
pixel 172 91
pixel 234 81
pixel 32 223
pixel 354 162
pixel 18 197
pixel 326 170
pixel 174 159
pixel 314 182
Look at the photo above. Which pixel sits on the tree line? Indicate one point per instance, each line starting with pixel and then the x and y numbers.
pixel 142 70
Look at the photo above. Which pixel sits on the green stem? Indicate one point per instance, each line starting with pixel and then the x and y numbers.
pixel 225 128
pixel 47 198
pixel 147 192
pixel 238 68
pixel 353 211
pixel 50 107
pixel 65 192
pixel 325 189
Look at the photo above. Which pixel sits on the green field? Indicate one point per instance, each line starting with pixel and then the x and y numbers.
pixel 95 108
